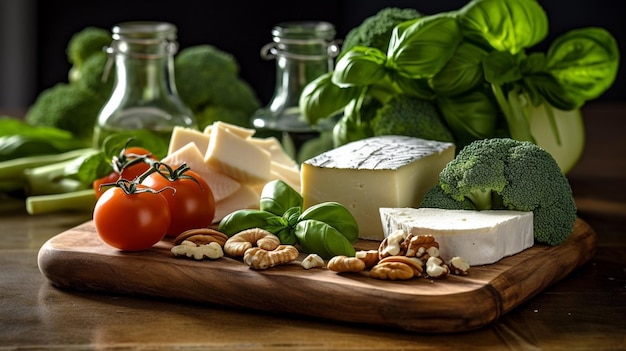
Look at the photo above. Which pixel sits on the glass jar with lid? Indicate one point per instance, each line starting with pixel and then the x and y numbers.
pixel 144 95
pixel 304 50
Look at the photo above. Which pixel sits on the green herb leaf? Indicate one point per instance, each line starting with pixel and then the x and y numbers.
pixel 508 26
pixel 420 48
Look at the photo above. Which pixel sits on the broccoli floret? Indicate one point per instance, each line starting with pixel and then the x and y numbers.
pixel 68 107
pixel 209 77
pixel 375 31
pixel 91 77
pixel 84 44
pixel 507 174
pixel 411 116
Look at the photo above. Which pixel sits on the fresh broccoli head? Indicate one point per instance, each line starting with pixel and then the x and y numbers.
pixel 375 31
pixel 91 76
pixel 68 107
pixel 507 174
pixel 84 44
pixel 411 116
pixel 209 77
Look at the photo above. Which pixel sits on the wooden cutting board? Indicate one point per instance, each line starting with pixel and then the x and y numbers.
pixel 77 259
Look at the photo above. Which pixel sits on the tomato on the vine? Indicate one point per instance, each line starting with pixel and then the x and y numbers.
pixel 131 220
pixel 129 165
pixel 191 205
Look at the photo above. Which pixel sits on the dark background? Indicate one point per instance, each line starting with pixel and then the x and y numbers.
pixel 33 42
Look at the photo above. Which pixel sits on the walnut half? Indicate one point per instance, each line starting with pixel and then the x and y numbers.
pixel 259 258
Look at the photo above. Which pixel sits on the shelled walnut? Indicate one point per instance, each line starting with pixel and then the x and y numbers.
pixel 260 258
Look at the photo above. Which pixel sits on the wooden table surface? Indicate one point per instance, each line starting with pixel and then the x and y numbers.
pixel 584 311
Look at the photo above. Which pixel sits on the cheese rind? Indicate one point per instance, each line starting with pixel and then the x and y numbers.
pixel 479 237
pixel 384 171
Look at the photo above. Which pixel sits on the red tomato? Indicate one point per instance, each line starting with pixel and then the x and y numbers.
pixel 134 170
pixel 108 179
pixel 192 205
pixel 129 172
pixel 131 222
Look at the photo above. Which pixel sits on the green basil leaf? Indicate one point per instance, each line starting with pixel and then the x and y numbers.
pixel 351 127
pixel 321 99
pixel 292 215
pixel 548 89
pixel 336 215
pixel 277 197
pixel 501 67
pixel 240 220
pixel 420 48
pixel 508 26
pixel 585 62
pixel 322 239
pixel 287 237
pixel 462 72
pixel 418 88
pixel 470 116
pixel 360 66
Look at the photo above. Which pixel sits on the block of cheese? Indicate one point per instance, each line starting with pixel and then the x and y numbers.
pixel 479 237
pixel 222 186
pixel 383 171
pixel 232 154
pixel 276 150
pixel 242 132
pixel 181 136
pixel 244 198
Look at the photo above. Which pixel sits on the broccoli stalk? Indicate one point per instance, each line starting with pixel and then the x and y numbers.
pixel 508 174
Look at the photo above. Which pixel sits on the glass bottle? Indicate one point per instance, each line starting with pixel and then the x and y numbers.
pixel 144 94
pixel 304 50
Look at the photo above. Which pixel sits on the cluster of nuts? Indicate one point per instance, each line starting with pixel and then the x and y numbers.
pixel 259 248
pixel 401 256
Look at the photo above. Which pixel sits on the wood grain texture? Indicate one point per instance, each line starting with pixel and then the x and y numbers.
pixel 77 259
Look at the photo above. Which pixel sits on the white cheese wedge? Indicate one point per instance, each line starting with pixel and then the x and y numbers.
pixel 242 132
pixel 231 154
pixel 276 150
pixel 244 198
pixel 384 171
pixel 221 185
pixel 181 136
pixel 479 237
pixel 288 174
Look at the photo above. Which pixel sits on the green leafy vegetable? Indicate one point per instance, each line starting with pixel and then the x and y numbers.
pixel 327 229
pixel 474 64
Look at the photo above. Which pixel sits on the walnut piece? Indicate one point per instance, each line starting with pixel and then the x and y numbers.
pixel 239 243
pixel 392 271
pixel 343 263
pixel 436 268
pixel 212 250
pixel 369 257
pixel 312 261
pixel 260 258
pixel 422 246
pixel 416 264
pixel 393 244
pixel 459 266
pixel 201 236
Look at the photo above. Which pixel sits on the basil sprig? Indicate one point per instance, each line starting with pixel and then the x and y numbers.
pixel 327 229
